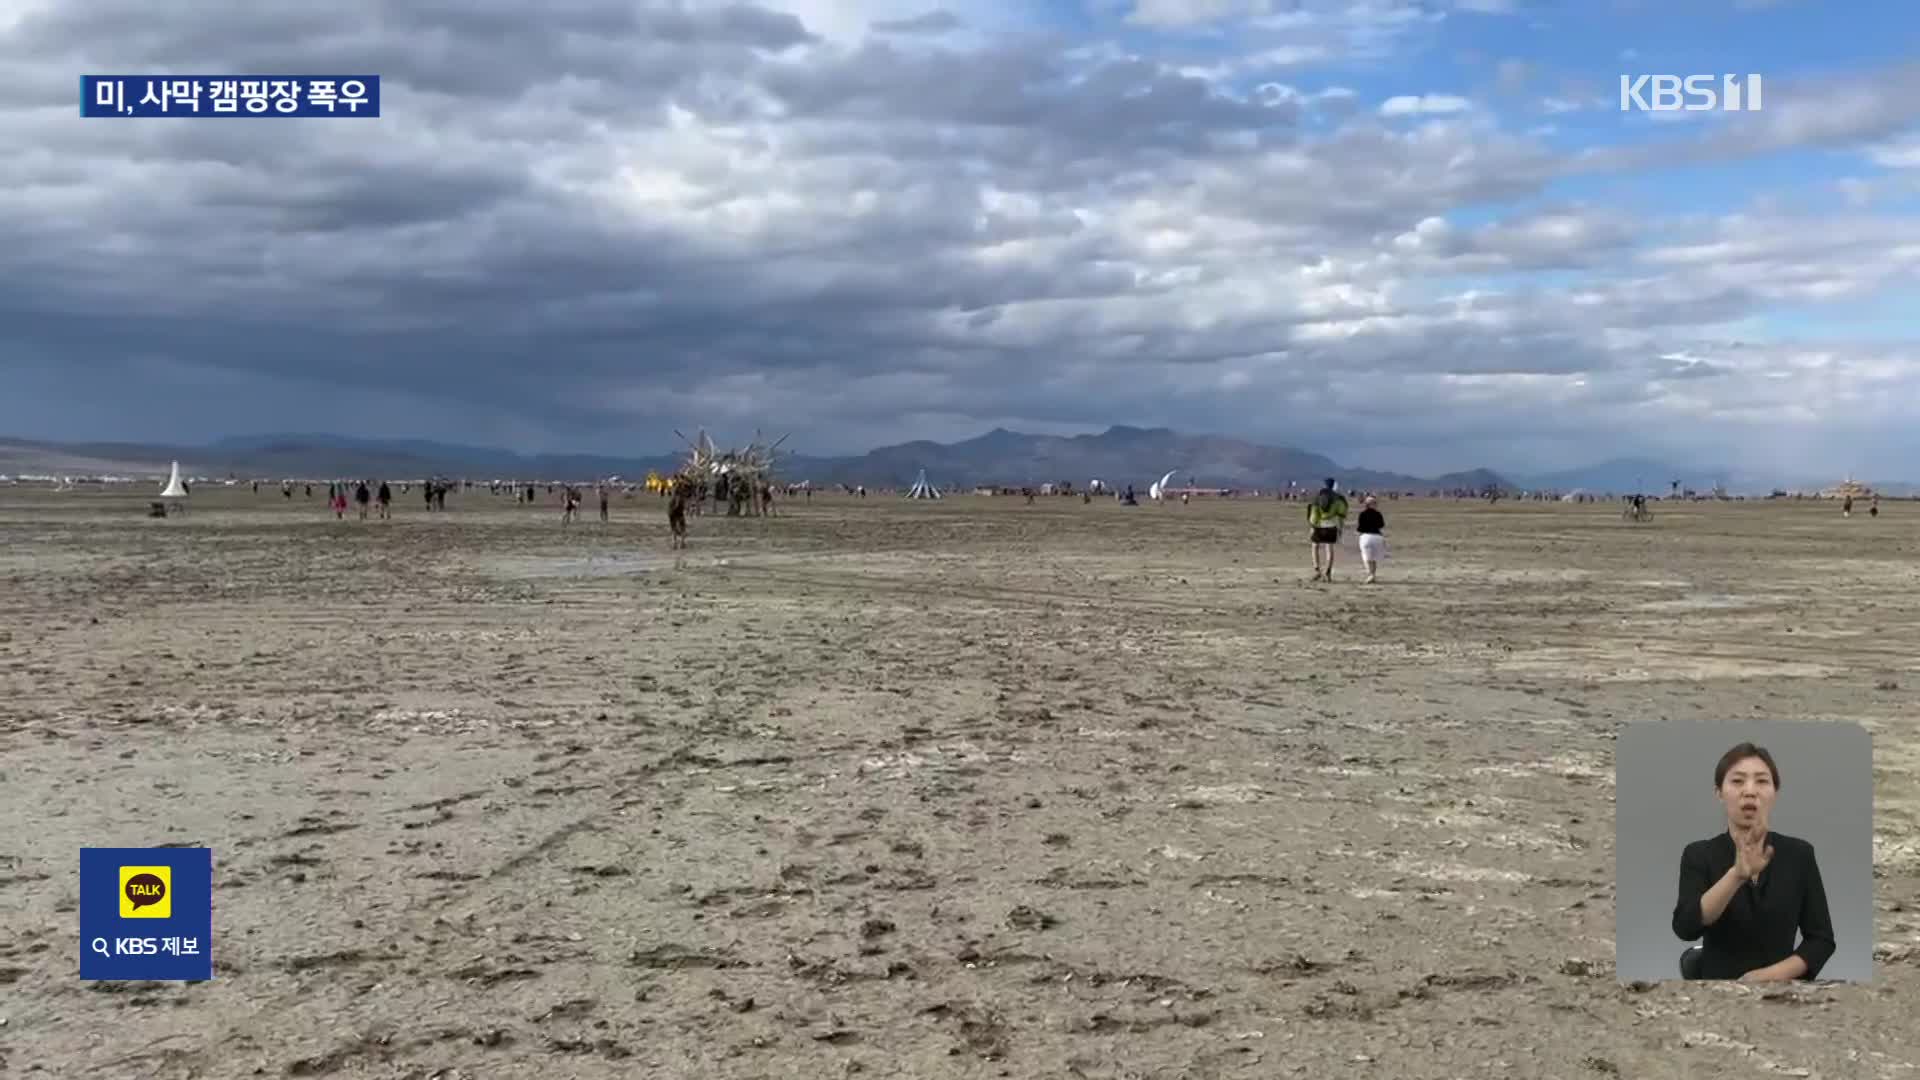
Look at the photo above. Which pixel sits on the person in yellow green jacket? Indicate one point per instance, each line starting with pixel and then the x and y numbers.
pixel 1325 516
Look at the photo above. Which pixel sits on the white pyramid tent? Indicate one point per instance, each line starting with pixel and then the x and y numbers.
pixel 174 489
pixel 921 489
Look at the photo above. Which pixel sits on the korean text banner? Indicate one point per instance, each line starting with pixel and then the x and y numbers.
pixel 146 913
pixel 229 95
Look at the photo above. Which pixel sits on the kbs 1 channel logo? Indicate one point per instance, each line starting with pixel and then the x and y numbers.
pixel 1690 93
pixel 285 96
pixel 146 914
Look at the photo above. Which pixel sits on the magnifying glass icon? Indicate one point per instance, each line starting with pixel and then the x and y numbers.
pixel 100 946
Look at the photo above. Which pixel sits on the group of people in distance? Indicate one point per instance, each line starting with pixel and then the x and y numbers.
pixel 1327 518
pixel 363 496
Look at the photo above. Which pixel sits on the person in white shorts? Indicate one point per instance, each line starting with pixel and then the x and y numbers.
pixel 1371 530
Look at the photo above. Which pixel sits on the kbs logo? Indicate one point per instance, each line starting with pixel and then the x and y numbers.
pixel 1689 93
pixel 146 892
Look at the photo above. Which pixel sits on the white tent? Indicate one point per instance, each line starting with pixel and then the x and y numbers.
pixel 921 489
pixel 1159 491
pixel 174 489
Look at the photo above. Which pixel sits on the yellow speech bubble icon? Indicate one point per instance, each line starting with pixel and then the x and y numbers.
pixel 146 892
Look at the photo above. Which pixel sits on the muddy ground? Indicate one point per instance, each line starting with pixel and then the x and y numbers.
pixel 955 789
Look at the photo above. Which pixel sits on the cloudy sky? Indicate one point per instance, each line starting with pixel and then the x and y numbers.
pixel 1417 234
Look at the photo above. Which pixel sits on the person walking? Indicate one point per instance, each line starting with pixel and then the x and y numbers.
pixel 1371 528
pixel 679 495
pixel 1325 515
pixel 362 497
pixel 385 498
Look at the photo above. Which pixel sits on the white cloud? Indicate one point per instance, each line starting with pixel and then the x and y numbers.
pixel 1180 13
pixel 1901 154
pixel 1424 105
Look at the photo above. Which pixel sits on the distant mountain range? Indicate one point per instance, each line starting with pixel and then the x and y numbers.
pixel 1119 456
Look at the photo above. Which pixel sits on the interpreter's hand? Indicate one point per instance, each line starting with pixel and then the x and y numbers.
pixel 1752 853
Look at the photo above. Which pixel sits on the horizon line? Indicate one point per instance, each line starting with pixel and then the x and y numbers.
pixel 322 438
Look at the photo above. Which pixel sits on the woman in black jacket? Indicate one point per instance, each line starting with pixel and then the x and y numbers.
pixel 1746 892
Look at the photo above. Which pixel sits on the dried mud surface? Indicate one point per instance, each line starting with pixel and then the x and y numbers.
pixel 888 789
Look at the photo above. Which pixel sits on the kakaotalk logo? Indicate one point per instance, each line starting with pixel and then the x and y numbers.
pixel 146 892
pixel 1689 93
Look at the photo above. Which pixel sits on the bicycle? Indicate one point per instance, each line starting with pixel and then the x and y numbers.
pixel 1637 514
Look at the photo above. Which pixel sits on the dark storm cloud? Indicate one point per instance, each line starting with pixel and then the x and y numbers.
pixel 602 216
pixel 480 50
pixel 371 200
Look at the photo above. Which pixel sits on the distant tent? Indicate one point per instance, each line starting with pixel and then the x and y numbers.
pixel 1159 491
pixel 174 489
pixel 921 489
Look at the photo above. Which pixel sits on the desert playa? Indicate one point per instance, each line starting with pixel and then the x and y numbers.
pixel 965 788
